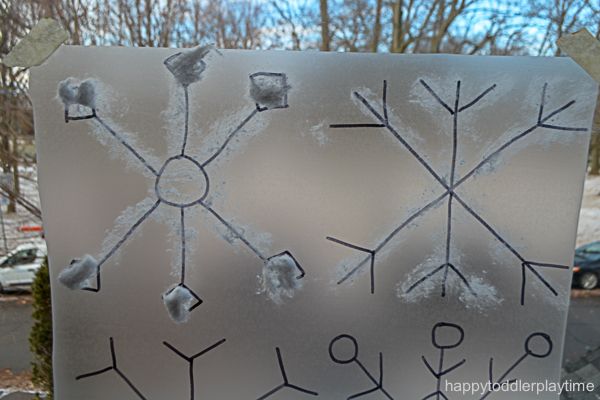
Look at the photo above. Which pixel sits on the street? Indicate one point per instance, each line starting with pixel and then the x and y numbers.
pixel 15 324
pixel 15 358
pixel 583 328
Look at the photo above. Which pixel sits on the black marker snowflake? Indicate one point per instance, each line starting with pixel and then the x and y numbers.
pixel 190 360
pixel 113 367
pixel 449 194
pixel 286 381
pixel 269 90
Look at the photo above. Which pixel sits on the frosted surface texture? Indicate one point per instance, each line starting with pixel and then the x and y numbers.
pixel 290 225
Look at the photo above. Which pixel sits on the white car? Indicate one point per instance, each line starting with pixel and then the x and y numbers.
pixel 18 268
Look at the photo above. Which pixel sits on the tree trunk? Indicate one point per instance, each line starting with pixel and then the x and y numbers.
pixel 7 169
pixel 594 154
pixel 397 33
pixel 325 39
pixel 15 170
pixel 377 27
pixel 595 143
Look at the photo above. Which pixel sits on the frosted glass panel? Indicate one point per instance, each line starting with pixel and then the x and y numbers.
pixel 290 225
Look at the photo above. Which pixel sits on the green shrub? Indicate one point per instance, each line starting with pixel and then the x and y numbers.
pixel 40 338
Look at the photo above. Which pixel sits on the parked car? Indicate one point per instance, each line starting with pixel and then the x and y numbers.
pixel 18 268
pixel 586 270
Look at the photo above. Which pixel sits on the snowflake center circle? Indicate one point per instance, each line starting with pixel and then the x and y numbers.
pixel 181 182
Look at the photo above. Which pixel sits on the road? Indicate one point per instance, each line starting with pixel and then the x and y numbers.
pixel 15 324
pixel 583 327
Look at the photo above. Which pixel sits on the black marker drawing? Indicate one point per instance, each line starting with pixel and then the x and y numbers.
pixel 443 329
pixel 529 352
pixel 113 367
pixel 353 358
pixel 268 90
pixel 190 360
pixel 450 186
pixel 286 383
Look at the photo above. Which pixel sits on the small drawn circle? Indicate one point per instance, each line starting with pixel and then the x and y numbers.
pixel 535 343
pixel 338 343
pixel 446 335
pixel 181 182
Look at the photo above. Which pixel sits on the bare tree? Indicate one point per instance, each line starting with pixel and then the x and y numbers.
pixel 293 26
pixel 456 26
pixel 402 26
pixel 352 25
pixel 555 19
pixel 377 27
pixel 325 38
pixel 15 110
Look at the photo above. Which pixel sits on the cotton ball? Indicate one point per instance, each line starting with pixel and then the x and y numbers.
pixel 178 302
pixel 269 90
pixel 71 92
pixel 77 275
pixel 67 91
pixel 187 67
pixel 87 94
pixel 281 277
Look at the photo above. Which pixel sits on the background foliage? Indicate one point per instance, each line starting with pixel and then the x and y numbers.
pixel 40 339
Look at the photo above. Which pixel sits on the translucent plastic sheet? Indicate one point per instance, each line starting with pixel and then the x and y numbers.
pixel 290 225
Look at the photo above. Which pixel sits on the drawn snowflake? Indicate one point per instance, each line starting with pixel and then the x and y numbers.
pixel 450 194
pixel 182 182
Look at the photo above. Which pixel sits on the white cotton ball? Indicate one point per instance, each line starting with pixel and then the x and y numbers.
pixel 86 95
pixel 178 302
pixel 187 67
pixel 77 275
pixel 281 277
pixel 67 91
pixel 269 90
pixel 72 92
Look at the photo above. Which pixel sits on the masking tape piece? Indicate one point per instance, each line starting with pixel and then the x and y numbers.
pixel 38 45
pixel 584 49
